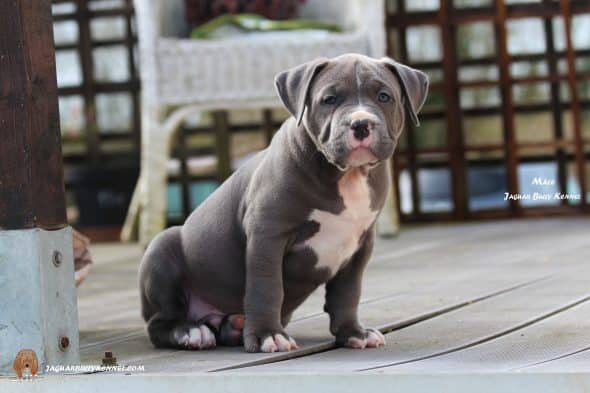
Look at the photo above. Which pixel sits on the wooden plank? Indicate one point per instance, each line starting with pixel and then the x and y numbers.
pixel 576 361
pixel 450 332
pixel 31 175
pixel 415 252
pixel 423 272
pixel 441 284
pixel 389 313
pixel 552 338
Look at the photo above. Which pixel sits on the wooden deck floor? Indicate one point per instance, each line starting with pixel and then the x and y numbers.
pixel 507 296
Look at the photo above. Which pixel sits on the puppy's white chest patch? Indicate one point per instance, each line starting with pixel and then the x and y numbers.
pixel 338 236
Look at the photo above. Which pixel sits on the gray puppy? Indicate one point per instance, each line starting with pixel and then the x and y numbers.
pixel 298 215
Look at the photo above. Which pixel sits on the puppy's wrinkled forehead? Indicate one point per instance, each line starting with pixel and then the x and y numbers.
pixel 350 71
pixel 354 73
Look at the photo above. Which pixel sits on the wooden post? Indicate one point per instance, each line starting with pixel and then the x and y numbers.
pixel 412 165
pixel 566 11
pixel 453 111
pixel 87 66
pixel 556 111
pixel 508 113
pixel 37 293
pixel 31 191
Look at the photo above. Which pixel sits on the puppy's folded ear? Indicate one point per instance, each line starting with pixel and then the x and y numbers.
pixel 293 85
pixel 414 86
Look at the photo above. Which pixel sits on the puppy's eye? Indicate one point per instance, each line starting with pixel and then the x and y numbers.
pixel 329 100
pixel 383 97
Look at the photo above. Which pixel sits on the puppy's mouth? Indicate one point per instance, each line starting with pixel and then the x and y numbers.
pixel 361 156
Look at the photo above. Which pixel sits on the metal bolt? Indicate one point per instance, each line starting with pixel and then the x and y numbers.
pixel 57 258
pixel 109 359
pixel 64 343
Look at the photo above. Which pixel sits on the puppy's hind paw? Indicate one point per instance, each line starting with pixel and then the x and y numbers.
pixel 194 337
pixel 231 330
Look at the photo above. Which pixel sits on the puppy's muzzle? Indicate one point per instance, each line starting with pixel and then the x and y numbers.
pixel 362 126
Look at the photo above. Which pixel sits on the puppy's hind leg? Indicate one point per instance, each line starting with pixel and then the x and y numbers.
pixel 230 331
pixel 164 300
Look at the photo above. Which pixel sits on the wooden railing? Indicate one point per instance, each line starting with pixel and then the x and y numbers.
pixel 569 145
pixel 508 152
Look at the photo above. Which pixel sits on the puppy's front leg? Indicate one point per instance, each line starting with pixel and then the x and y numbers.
pixel 343 293
pixel 263 299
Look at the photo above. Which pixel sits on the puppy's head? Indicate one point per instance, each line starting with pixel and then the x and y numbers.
pixel 353 106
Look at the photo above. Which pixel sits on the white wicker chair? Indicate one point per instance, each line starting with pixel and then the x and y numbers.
pixel 182 76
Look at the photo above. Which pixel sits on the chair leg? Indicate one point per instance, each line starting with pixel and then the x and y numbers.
pixel 152 217
pixel 267 125
pixel 156 145
pixel 129 230
pixel 222 144
pixel 388 220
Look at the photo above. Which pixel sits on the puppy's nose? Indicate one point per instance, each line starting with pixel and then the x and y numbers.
pixel 361 128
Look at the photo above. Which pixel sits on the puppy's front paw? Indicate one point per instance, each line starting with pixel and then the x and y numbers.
pixel 269 342
pixel 367 338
